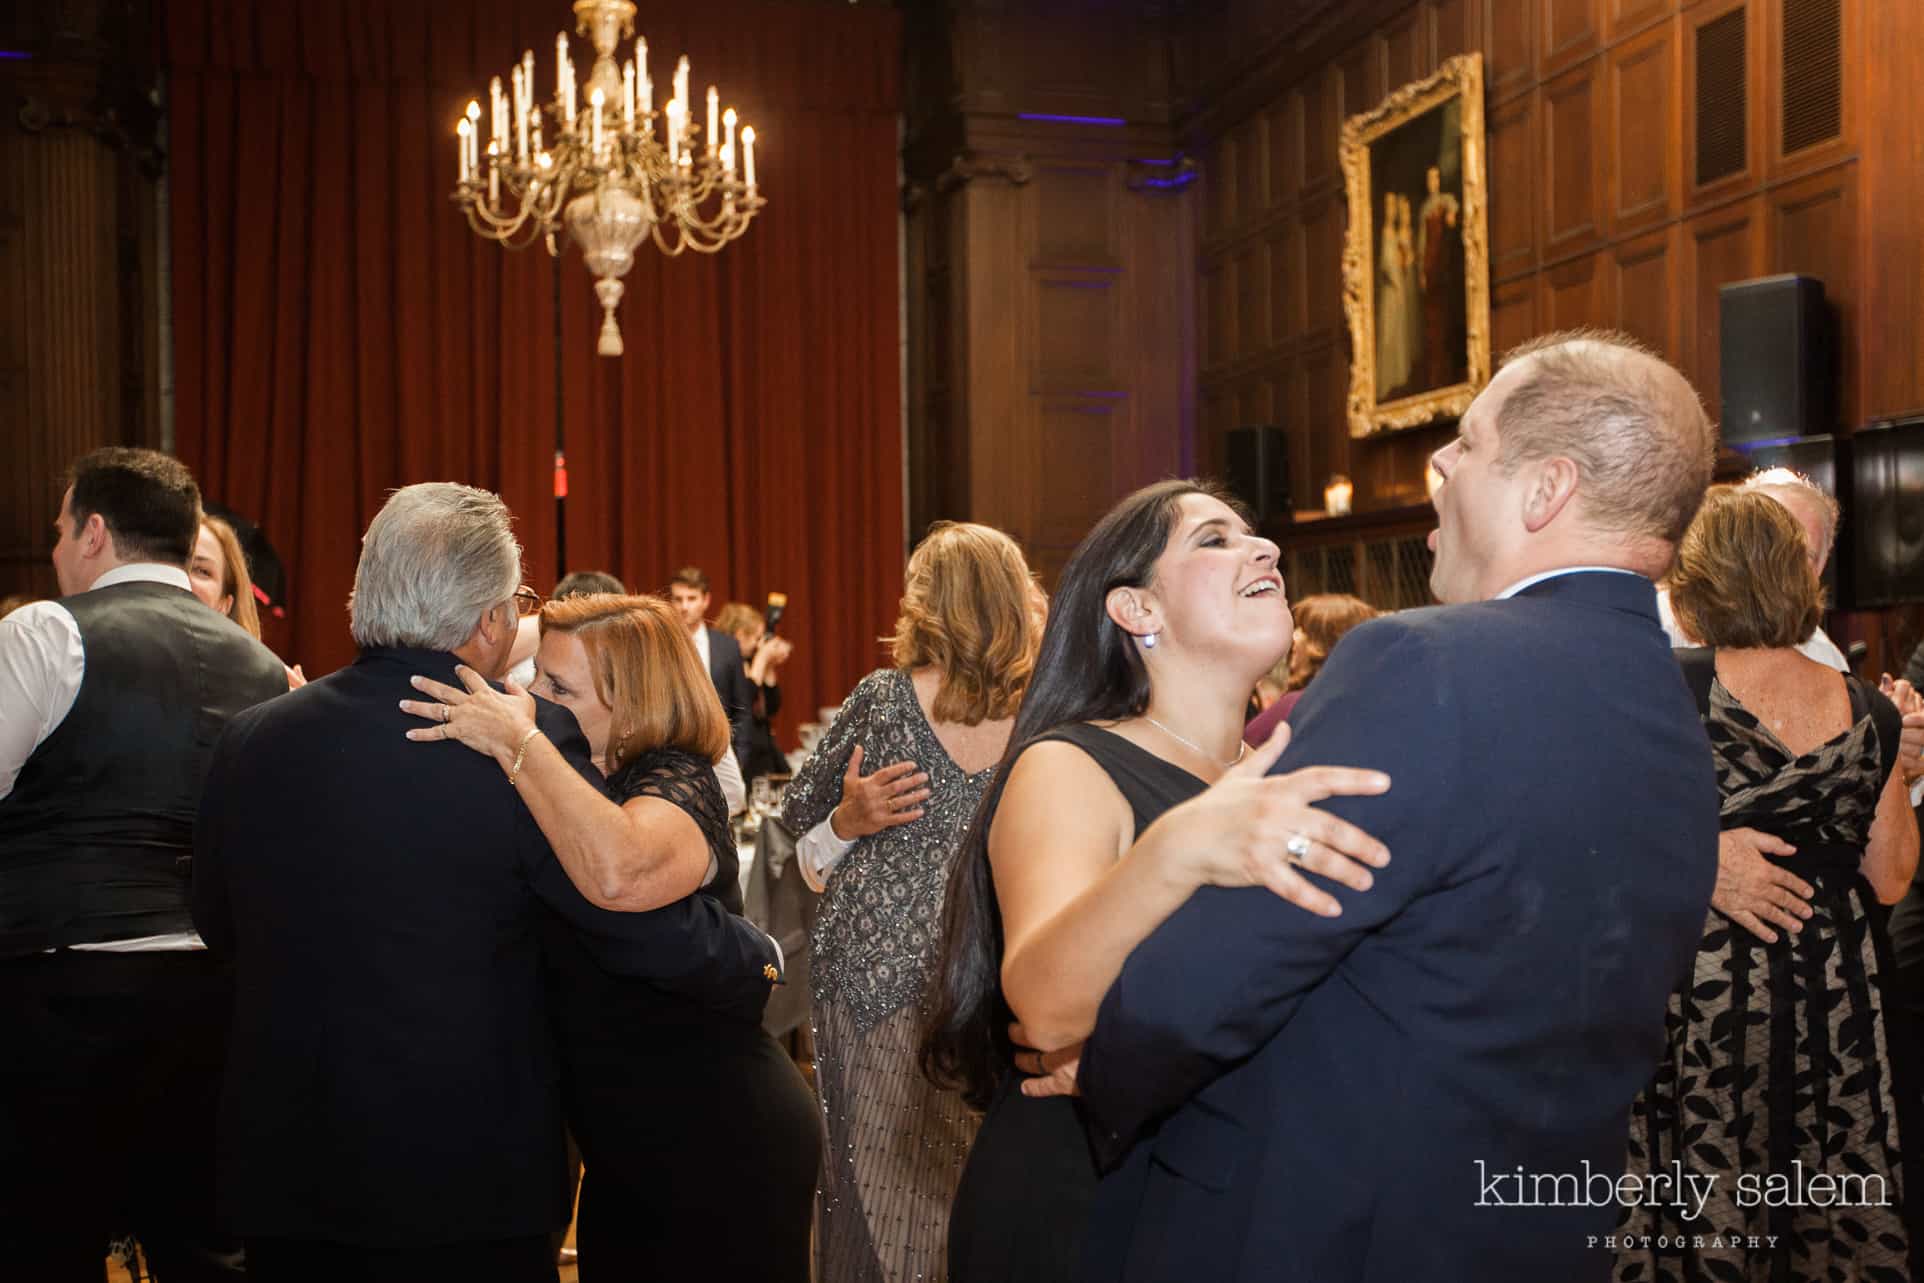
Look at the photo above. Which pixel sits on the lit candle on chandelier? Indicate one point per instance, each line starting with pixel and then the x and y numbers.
pixel 461 146
pixel 474 137
pixel 496 129
pixel 681 88
pixel 520 113
pixel 748 158
pixel 714 108
pixel 728 142
pixel 494 173
pixel 645 85
pixel 628 96
pixel 674 129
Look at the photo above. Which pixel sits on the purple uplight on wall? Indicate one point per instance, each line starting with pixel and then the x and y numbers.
pixel 20 54
pixel 1073 120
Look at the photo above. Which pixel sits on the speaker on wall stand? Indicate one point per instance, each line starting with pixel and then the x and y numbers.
pixel 1256 469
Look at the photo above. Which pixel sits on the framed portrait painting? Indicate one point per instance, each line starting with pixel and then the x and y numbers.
pixel 1416 265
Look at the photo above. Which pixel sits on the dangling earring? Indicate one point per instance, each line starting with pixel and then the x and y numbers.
pixel 1149 640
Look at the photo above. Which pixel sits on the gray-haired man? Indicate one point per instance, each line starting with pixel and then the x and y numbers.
pixel 391 1106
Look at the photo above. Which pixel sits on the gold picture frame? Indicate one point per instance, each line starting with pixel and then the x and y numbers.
pixel 1416 260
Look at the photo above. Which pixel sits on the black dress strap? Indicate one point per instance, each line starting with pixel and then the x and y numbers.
pixel 1885 719
pixel 1699 664
pixel 1149 784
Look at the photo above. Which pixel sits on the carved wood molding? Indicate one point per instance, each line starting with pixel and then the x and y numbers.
pixel 967 166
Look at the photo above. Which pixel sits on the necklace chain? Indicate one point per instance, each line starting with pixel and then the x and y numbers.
pixel 1194 747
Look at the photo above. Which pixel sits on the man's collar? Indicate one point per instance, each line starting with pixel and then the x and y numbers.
pixel 143 572
pixel 1539 577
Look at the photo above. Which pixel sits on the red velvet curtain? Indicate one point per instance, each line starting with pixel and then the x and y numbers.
pixel 339 330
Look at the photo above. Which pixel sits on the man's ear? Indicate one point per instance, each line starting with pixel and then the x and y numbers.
pixel 1553 486
pixel 1133 610
pixel 93 536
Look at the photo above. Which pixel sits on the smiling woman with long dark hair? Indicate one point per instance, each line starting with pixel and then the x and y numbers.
pixel 1125 787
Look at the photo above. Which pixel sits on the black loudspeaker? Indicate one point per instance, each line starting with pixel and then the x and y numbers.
pixel 1883 544
pixel 1256 464
pixel 1777 368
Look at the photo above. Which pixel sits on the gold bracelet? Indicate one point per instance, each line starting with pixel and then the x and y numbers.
pixel 520 752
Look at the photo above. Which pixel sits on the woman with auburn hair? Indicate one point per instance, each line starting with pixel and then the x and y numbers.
pixel 1321 621
pixel 1778 1048
pixel 879 844
pixel 685 1116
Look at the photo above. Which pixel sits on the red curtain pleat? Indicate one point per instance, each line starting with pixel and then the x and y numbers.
pixel 341 332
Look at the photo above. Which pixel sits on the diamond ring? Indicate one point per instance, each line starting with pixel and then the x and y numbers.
pixel 1298 847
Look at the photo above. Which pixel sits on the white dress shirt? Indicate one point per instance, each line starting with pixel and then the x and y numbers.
pixel 818 851
pixel 42 663
pixel 701 648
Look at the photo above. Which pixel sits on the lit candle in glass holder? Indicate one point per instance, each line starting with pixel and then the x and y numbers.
pixel 1337 496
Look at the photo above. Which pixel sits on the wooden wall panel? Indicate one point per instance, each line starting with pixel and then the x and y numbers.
pixel 1406 47
pixel 1288 276
pixel 1575 293
pixel 1510 55
pixel 1570 30
pixel 1644 158
pixel 1252 300
pixel 1455 27
pixel 1644 289
pixel 1572 163
pixel 1622 17
pixel 1513 181
pixel 1322 126
pixel 1323 225
pixel 1285 150
pixel 1810 229
pixel 1513 314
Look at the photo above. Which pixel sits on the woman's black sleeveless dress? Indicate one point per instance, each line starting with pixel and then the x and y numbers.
pixel 700 1140
pixel 1029 1183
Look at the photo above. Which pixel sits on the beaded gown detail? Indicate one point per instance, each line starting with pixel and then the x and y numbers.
pixel 1777 1053
pixel 896 1143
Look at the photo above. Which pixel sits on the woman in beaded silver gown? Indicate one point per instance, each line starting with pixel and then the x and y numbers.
pixel 923 738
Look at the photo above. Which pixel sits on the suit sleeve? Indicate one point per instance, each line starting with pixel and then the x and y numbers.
pixel 213 917
pixel 1229 969
pixel 741 707
pixel 693 947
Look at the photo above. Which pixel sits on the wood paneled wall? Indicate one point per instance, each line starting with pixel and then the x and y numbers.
pixel 1050 278
pixel 1596 214
pixel 79 363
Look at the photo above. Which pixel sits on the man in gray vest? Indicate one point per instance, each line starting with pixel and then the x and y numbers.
pixel 110 702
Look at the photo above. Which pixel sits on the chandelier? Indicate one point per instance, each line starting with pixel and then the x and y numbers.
pixel 596 164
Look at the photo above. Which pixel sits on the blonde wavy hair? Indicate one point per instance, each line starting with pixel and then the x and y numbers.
pixel 969 611
pixel 646 673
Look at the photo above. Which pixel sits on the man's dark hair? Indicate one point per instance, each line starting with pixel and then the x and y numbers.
pixel 582 583
pixel 690 577
pixel 147 499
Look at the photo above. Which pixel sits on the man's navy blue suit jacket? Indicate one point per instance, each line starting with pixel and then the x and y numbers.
pixel 1286 1097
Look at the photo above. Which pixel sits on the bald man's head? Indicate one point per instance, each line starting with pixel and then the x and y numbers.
pixel 1815 510
pixel 1630 422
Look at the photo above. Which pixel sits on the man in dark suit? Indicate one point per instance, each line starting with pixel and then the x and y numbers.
pixel 688 590
pixel 1435 1085
pixel 391 1108
pixel 110 702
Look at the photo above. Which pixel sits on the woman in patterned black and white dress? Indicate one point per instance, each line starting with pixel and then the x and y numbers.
pixel 1777 1041
pixel 882 802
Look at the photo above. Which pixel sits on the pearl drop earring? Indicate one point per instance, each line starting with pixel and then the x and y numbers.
pixel 1149 641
